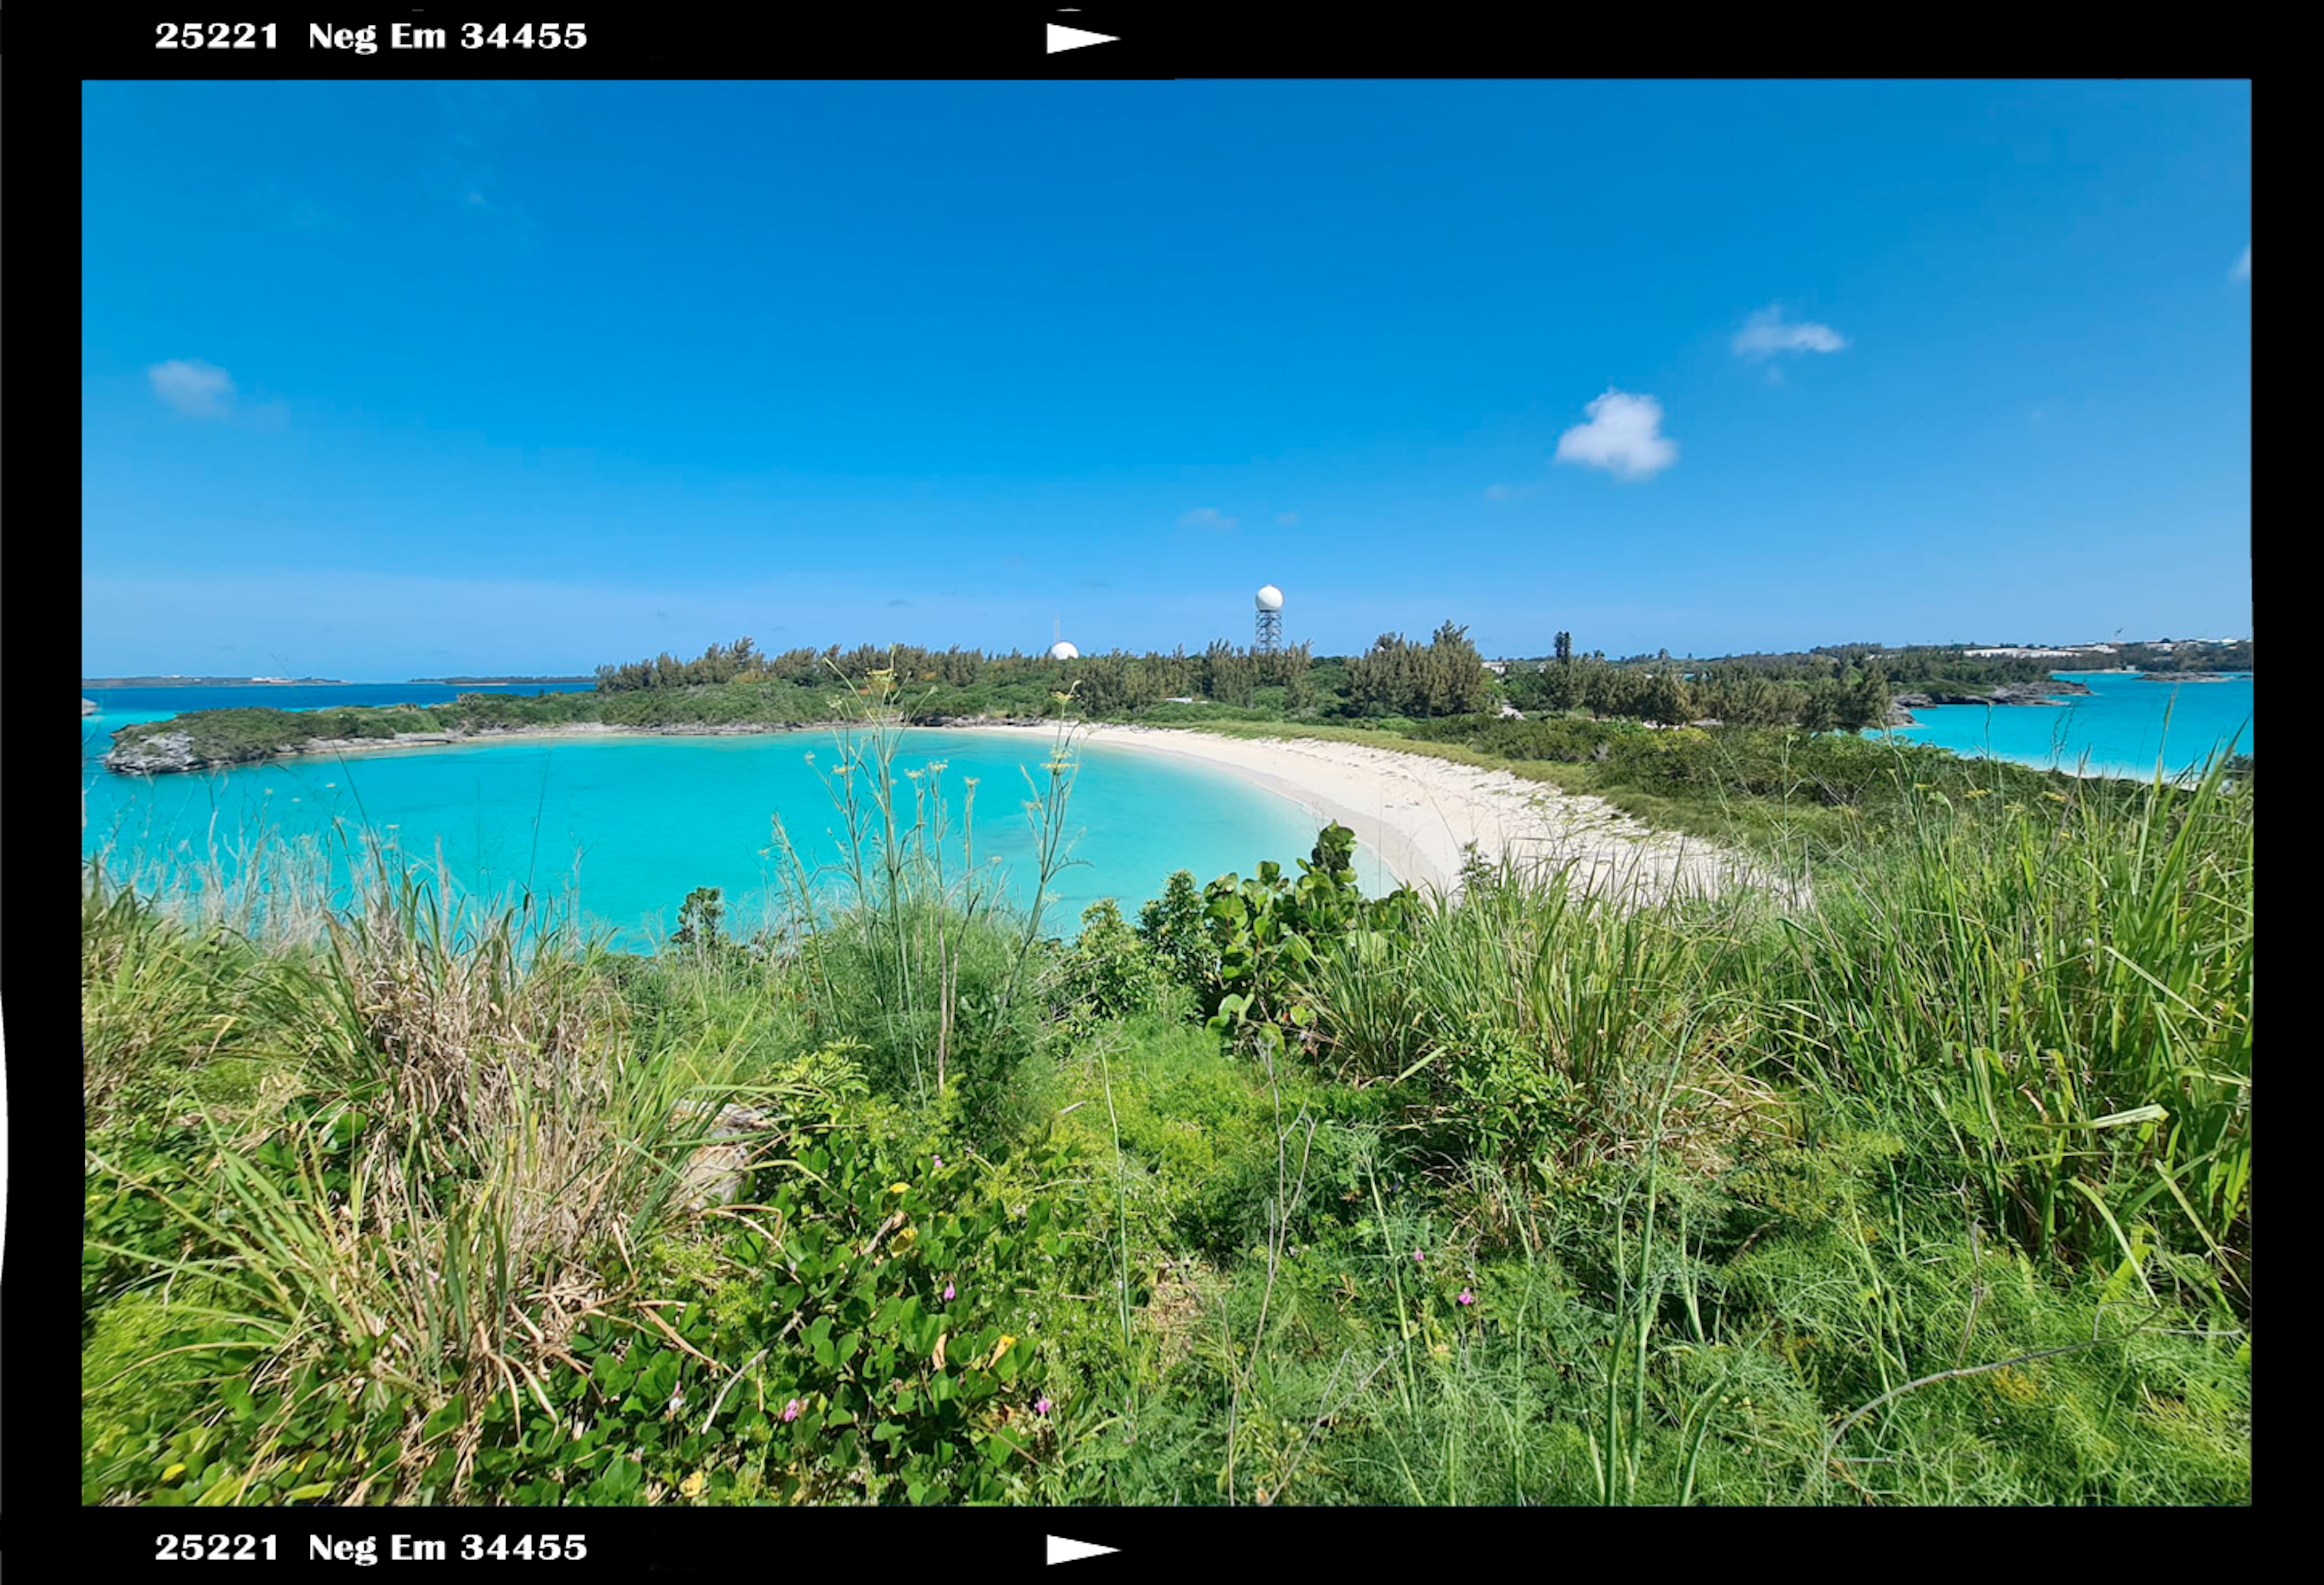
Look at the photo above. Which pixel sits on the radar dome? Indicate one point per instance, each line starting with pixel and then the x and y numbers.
pixel 1062 650
pixel 1269 598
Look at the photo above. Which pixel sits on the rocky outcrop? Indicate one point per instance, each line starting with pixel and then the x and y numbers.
pixel 155 755
pixel 88 706
pixel 2010 692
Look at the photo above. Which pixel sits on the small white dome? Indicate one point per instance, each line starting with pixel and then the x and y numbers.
pixel 1269 598
pixel 1062 650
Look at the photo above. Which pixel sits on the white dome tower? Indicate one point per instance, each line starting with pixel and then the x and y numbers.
pixel 1269 602
pixel 1058 649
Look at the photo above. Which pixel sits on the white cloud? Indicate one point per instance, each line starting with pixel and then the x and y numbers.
pixel 2242 271
pixel 1624 436
pixel 196 389
pixel 1206 517
pixel 1767 333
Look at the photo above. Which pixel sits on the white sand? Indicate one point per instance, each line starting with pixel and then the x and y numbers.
pixel 1417 812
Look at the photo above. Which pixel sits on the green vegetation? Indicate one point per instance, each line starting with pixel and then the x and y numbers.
pixel 1432 692
pixel 1935 1190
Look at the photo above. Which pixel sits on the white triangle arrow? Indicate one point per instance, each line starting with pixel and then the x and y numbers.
pixel 1061 1551
pixel 1062 38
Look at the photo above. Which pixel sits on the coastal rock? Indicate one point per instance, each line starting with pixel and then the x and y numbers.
pixel 2009 692
pixel 88 706
pixel 162 751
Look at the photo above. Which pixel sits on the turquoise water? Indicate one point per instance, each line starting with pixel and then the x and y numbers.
pixel 2126 726
pixel 625 827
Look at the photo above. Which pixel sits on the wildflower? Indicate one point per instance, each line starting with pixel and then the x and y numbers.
pixel 898 1188
pixel 791 1411
pixel 1041 1406
pixel 693 1484
pixel 1415 1257
pixel 948 1290
pixel 938 1160
pixel 1467 1297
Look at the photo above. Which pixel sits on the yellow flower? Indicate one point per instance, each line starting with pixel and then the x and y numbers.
pixel 1006 1343
pixel 693 1484
pixel 898 1188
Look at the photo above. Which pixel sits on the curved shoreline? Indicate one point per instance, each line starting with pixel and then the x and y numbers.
pixel 1416 813
pixel 1419 813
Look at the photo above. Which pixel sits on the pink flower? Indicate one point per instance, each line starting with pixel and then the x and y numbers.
pixel 792 1410
pixel 1415 1256
pixel 939 1160
pixel 948 1293
pixel 1467 1297
pixel 1041 1406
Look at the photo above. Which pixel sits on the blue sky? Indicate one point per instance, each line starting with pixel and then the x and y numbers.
pixel 403 379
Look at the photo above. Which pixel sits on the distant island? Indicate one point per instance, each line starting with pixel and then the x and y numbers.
pixel 210 682
pixel 499 681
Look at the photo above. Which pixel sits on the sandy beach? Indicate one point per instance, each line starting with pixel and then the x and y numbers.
pixel 1418 814
pixel 1414 815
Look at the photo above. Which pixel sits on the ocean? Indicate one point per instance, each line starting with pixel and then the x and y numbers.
pixel 624 828
pixel 2126 726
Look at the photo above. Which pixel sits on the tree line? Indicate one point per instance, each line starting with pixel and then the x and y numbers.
pixel 1844 687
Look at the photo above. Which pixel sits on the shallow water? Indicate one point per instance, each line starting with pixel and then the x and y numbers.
pixel 2126 726
pixel 624 827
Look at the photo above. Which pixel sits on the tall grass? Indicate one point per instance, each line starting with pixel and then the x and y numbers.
pixel 918 958
pixel 2065 985
pixel 476 1150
